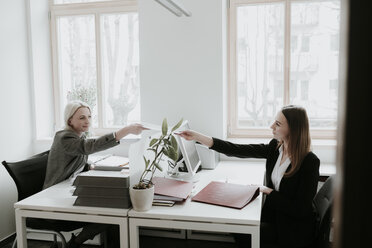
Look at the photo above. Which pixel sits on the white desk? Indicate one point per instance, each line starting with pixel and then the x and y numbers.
pixel 56 202
pixel 200 216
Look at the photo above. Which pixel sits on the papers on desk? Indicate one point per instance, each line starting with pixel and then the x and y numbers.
pixel 227 194
pixel 93 158
pixel 108 162
pixel 169 191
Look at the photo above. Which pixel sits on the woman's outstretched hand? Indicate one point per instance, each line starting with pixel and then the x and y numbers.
pixel 192 135
pixel 131 129
pixel 136 128
pixel 188 135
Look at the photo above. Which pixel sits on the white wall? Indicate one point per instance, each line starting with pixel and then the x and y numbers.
pixel 182 69
pixel 41 67
pixel 16 130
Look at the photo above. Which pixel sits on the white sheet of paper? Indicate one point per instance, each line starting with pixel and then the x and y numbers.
pixel 113 161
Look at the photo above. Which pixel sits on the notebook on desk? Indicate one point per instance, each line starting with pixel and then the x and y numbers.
pixel 227 194
pixel 172 188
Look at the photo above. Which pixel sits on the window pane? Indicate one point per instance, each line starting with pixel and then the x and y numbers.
pixel 77 60
pixel 260 76
pixel 120 68
pixel 316 64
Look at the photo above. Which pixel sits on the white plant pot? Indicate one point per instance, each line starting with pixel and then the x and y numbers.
pixel 141 198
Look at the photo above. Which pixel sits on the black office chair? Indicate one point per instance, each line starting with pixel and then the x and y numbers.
pixel 29 176
pixel 323 202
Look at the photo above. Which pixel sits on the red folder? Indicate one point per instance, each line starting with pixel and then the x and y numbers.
pixel 227 194
pixel 172 187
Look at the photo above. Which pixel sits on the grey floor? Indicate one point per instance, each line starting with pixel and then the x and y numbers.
pixel 148 242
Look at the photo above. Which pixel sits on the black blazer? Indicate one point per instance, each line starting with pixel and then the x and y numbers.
pixel 290 209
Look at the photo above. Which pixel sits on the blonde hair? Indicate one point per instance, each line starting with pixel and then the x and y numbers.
pixel 299 141
pixel 71 109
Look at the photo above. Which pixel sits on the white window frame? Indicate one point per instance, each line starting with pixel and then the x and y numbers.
pixel 233 130
pixel 92 8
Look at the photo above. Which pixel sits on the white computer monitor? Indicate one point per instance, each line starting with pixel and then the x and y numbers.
pixel 190 157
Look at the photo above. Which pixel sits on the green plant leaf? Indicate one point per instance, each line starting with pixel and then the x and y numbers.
pixel 153 142
pixel 166 152
pixel 174 143
pixel 172 154
pixel 158 166
pixel 164 127
pixel 177 125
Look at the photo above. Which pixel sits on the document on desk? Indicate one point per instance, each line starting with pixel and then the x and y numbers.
pixel 172 188
pixel 227 194
pixel 111 163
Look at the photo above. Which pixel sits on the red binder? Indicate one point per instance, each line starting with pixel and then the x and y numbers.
pixel 227 194
pixel 172 187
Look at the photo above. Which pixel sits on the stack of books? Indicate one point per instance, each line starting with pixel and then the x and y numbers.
pixel 96 188
pixel 169 191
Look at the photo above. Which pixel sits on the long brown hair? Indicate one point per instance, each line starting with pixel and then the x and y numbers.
pixel 299 141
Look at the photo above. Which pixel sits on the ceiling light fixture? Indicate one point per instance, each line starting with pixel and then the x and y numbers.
pixel 174 6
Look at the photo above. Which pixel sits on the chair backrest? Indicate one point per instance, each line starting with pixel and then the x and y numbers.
pixel 28 174
pixel 323 202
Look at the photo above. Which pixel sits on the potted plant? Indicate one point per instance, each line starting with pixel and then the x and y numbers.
pixel 142 193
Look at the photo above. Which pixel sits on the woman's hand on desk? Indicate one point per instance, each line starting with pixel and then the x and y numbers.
pixel 192 135
pixel 265 190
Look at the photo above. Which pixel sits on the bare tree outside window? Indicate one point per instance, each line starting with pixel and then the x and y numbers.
pixel 260 33
pixel 97 59
pixel 269 59
pixel 77 63
pixel 120 67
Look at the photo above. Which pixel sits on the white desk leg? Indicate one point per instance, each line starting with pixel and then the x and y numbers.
pixel 123 230
pixel 133 233
pixel 256 238
pixel 21 229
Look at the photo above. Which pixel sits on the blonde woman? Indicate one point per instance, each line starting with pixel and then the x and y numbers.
pixel 69 154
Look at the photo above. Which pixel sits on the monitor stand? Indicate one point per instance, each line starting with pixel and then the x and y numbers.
pixel 183 176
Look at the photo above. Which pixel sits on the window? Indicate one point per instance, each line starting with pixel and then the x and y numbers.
pixel 294 43
pixel 305 44
pixel 333 88
pixel 96 59
pixel 280 55
pixel 335 42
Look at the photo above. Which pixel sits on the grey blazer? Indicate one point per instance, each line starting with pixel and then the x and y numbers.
pixel 69 153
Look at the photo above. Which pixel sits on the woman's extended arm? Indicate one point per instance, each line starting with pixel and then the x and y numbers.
pixel 201 138
pixel 131 129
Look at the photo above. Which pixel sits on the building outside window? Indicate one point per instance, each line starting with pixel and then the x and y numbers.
pixel 282 52
pixel 96 59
